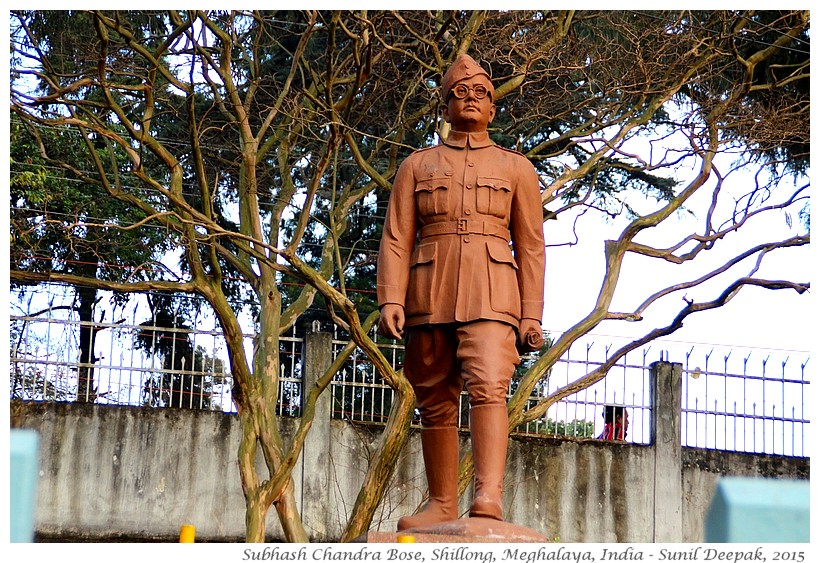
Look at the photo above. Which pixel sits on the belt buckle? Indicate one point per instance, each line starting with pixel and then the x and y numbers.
pixel 461 228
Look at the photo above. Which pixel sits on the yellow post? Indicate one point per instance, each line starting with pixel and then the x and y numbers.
pixel 187 533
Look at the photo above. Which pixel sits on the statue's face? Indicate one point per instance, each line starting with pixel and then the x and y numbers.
pixel 470 114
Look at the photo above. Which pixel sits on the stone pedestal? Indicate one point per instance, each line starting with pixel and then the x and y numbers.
pixel 463 530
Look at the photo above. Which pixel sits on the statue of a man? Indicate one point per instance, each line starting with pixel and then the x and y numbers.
pixel 450 282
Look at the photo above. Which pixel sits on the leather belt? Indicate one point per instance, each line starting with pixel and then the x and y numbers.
pixel 465 227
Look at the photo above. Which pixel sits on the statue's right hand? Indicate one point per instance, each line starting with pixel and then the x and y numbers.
pixel 391 321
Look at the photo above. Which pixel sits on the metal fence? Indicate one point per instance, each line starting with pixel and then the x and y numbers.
pixel 749 402
pixel 359 394
pixel 755 402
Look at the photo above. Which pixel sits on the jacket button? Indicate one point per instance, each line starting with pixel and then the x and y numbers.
pixel 467 211
pixel 466 240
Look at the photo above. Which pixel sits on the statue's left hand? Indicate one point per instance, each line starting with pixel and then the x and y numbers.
pixel 530 335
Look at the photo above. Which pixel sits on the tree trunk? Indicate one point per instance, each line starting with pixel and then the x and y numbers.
pixel 256 392
pixel 381 469
pixel 86 391
pixel 257 496
pixel 255 513
pixel 289 516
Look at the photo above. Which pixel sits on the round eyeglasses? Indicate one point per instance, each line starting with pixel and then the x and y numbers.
pixel 460 91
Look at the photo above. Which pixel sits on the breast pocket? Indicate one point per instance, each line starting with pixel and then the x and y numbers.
pixel 494 196
pixel 432 195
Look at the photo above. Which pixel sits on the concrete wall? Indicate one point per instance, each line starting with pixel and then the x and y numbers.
pixel 134 473
pixel 701 470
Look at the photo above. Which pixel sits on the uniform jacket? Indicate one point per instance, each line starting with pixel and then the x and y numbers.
pixel 445 253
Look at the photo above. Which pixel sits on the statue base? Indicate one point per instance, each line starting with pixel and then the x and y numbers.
pixel 463 530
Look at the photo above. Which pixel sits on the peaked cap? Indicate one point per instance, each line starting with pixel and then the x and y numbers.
pixel 463 67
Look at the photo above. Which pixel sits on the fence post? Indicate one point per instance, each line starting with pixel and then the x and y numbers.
pixel 666 441
pixel 318 354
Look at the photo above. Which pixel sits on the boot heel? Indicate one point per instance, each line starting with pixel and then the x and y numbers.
pixel 485 508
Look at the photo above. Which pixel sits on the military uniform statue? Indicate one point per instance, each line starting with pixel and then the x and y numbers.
pixel 449 280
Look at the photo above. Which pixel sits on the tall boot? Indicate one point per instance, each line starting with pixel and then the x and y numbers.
pixel 489 434
pixel 439 446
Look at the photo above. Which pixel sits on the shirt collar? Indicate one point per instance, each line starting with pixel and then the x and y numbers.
pixel 461 139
